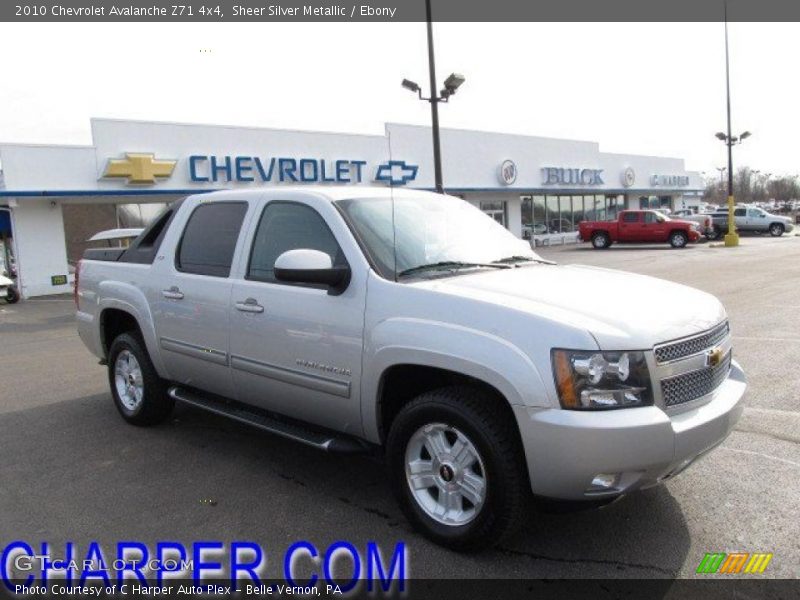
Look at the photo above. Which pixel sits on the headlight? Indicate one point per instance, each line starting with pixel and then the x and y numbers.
pixel 588 380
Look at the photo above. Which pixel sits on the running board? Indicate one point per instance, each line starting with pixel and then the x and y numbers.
pixel 328 442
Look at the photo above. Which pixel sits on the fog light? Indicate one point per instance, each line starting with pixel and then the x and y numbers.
pixel 604 481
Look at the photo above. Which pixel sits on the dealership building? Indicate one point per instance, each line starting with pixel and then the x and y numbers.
pixel 52 198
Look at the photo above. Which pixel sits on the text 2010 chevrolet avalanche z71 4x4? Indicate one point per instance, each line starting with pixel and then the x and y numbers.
pixel 370 318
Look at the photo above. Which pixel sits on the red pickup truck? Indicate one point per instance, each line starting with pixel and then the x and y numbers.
pixel 639 227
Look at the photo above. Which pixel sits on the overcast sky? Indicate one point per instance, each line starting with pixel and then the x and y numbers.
pixel 637 88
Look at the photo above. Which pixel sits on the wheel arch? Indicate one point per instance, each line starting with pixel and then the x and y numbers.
pixel 400 383
pixel 125 305
pixel 681 231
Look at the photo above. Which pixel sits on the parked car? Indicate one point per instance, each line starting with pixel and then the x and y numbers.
pixel 640 227
pixel 751 219
pixel 407 324
pixel 705 224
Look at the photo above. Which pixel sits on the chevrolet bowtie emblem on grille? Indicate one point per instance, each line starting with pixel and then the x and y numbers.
pixel 139 167
pixel 714 357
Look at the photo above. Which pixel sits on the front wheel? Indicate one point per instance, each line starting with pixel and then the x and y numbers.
pixel 678 239
pixel 776 229
pixel 457 467
pixel 140 395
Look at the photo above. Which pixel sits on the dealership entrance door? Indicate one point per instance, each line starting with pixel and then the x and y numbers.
pixel 495 209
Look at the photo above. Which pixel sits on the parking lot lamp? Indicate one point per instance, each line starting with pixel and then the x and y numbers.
pixel 731 238
pixel 451 84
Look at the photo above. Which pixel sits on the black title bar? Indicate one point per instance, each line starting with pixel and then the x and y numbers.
pixel 396 11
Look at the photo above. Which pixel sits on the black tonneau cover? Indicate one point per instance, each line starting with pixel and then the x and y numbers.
pixel 106 254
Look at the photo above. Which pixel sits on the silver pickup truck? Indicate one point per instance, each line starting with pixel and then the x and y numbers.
pixel 409 324
pixel 750 219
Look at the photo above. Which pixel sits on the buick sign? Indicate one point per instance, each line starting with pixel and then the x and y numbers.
pixel 508 172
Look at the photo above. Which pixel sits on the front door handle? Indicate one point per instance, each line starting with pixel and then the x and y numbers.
pixel 173 293
pixel 250 305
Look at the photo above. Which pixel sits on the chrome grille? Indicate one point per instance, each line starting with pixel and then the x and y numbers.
pixel 694 384
pixel 694 345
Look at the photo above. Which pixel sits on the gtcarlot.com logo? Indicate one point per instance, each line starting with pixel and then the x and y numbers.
pixel 734 563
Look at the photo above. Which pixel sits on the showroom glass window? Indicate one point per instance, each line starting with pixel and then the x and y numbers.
pixel 579 204
pixel 288 226
pixel 209 239
pixel 563 214
pixel 553 214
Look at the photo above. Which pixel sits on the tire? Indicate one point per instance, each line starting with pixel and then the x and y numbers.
pixel 716 234
pixel 776 229
pixel 466 418
pixel 601 241
pixel 12 296
pixel 678 239
pixel 149 404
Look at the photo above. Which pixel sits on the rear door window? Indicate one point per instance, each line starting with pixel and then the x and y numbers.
pixel 209 239
pixel 630 217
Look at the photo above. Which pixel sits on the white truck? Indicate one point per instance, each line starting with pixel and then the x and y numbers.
pixel 410 324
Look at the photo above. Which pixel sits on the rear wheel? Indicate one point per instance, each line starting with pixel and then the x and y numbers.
pixel 140 395
pixel 776 229
pixel 12 296
pixel 678 239
pixel 457 467
pixel 600 240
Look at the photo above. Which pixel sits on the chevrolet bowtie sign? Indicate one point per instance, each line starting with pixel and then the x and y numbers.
pixel 145 168
pixel 139 168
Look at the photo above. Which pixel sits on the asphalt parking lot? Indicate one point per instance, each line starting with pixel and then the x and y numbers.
pixel 73 470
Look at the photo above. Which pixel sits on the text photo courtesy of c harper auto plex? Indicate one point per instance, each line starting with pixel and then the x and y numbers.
pixel 430 299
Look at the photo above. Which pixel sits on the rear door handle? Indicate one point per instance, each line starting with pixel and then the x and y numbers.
pixel 173 293
pixel 250 305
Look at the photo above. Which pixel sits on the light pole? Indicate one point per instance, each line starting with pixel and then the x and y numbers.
pixel 451 84
pixel 731 238
pixel 754 188
pixel 721 178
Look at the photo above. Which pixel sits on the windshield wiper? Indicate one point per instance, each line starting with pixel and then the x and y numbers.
pixel 516 259
pixel 449 264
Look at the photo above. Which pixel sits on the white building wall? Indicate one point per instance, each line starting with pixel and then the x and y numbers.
pixel 40 245
pixel 41 175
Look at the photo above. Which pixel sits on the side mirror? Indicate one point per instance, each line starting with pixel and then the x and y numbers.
pixel 311 267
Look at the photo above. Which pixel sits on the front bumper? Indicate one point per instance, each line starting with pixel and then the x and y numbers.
pixel 566 449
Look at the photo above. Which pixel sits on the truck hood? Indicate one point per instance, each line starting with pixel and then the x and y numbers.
pixel 622 311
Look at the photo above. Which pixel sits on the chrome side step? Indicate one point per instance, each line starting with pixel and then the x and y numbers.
pixel 329 442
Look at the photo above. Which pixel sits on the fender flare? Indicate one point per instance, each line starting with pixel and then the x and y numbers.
pixel 477 354
pixel 130 299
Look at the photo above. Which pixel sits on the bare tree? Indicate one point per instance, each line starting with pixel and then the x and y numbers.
pixel 784 188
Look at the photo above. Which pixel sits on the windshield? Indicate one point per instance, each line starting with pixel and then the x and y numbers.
pixel 444 232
